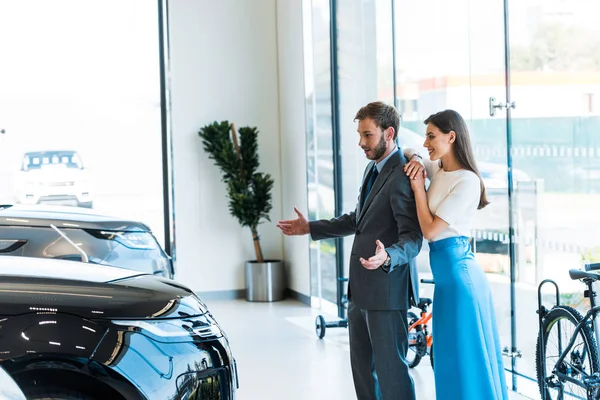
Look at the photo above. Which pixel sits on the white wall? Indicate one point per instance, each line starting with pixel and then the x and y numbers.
pixel 223 57
pixel 293 136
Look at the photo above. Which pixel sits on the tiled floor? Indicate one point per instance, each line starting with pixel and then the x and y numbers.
pixel 280 357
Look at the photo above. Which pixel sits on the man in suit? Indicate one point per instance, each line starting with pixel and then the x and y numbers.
pixel 383 280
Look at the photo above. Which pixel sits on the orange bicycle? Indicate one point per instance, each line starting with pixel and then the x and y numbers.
pixel 420 341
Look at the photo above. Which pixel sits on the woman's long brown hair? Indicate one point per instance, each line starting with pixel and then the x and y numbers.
pixel 447 121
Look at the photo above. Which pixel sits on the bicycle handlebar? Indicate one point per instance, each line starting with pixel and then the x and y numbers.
pixel 592 266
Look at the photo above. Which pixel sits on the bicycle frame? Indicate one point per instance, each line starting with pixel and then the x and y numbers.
pixel 542 312
pixel 424 320
pixel 589 316
pixel 595 326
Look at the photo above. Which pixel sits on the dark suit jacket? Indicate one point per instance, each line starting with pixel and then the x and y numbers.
pixel 389 214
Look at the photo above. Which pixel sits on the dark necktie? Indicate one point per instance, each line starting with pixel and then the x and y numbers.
pixel 370 183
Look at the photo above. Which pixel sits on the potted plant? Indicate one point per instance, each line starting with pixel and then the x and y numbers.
pixel 250 200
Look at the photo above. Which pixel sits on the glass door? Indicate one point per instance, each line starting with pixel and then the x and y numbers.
pixel 488 127
pixel 555 83
pixel 456 60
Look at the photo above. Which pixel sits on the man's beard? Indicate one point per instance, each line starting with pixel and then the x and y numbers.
pixel 379 150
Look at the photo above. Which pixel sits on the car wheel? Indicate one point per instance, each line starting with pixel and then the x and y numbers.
pixel 54 393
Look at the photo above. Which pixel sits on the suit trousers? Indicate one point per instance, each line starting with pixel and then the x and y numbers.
pixel 378 346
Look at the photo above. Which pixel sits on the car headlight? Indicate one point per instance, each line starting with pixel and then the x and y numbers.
pixel 133 240
pixel 176 330
pixel 136 240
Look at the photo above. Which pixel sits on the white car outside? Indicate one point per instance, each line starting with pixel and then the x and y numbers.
pixel 55 177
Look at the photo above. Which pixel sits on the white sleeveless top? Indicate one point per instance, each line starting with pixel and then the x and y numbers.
pixel 453 196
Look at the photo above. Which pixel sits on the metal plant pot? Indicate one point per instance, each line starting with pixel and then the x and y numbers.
pixel 265 281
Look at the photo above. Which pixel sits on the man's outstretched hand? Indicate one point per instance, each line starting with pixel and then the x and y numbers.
pixel 378 259
pixel 298 226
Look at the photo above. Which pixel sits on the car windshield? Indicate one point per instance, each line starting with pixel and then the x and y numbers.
pixel 37 160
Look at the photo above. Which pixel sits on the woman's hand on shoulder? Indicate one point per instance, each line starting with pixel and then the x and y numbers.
pixel 416 172
pixel 415 167
pixel 418 182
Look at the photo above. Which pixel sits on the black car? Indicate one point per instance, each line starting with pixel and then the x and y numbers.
pixel 70 330
pixel 80 234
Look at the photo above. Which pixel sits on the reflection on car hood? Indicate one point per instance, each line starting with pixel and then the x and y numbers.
pixel 65 217
pixel 91 291
pixel 61 269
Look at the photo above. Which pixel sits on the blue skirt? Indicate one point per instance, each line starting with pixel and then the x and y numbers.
pixel 467 353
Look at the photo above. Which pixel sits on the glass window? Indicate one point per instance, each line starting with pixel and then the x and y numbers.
pixel 455 58
pixel 555 74
pixel 460 65
pixel 365 74
pixel 321 201
pixel 80 106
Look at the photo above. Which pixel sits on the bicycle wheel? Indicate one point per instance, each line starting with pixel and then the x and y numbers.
pixel 565 380
pixel 417 345
pixel 431 355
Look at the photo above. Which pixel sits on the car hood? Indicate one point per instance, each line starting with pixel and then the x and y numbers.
pixel 65 217
pixel 32 285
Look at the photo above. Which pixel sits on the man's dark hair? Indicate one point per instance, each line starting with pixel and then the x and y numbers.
pixel 383 114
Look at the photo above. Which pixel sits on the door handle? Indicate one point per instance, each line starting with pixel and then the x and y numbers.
pixel 511 354
pixel 500 105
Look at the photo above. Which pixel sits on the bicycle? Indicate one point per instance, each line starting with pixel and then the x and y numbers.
pixel 420 341
pixel 572 372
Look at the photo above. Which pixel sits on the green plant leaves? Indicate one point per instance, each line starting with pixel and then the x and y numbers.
pixel 249 191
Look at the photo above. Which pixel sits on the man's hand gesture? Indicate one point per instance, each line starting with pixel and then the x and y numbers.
pixel 378 259
pixel 298 226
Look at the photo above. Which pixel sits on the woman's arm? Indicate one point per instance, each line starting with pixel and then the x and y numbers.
pixel 431 225
pixel 462 199
pixel 409 153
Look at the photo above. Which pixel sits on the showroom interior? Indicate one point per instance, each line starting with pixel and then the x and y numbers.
pixel 124 87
